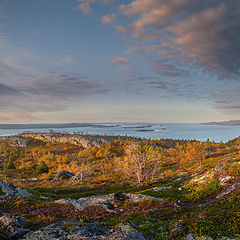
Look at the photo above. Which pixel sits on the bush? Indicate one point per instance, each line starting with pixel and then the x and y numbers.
pixel 10 164
pixel 198 192
pixel 42 167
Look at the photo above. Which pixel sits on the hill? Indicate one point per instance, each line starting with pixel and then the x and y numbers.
pixel 225 123
pixel 120 188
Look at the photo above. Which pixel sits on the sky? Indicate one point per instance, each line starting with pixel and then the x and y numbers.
pixel 119 61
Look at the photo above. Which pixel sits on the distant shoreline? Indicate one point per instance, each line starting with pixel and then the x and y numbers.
pixel 52 125
pixel 225 123
pixel 142 127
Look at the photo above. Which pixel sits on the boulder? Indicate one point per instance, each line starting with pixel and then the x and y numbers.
pixel 229 190
pixel 225 180
pixel 78 229
pixel 64 174
pixel 178 228
pixel 104 201
pixel 22 192
pixel 11 190
pixel 12 226
pixel 119 197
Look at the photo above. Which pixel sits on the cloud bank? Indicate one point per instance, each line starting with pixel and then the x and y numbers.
pixel 205 33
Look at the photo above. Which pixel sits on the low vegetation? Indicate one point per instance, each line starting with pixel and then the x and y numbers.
pixel 187 175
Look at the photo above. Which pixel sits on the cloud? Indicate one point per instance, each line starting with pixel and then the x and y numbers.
pixel 109 19
pixel 205 32
pixel 117 61
pixel 7 90
pixel 67 60
pixel 2 36
pixel 63 86
pixel 32 95
pixel 168 70
pixel 85 5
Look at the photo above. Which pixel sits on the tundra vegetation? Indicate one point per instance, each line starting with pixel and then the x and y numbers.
pixel 189 176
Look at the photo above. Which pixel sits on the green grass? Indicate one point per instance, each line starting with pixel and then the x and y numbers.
pixel 197 192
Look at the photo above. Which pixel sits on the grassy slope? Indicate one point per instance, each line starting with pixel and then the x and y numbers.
pixel 198 215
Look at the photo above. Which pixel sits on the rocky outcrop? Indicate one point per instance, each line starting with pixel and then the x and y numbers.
pixel 220 174
pixel 15 141
pixel 13 227
pixel 229 190
pixel 75 139
pixel 104 201
pixel 11 190
pixel 78 229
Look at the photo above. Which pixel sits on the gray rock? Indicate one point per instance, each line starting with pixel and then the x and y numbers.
pixel 75 139
pixel 160 189
pixel 7 189
pixel 189 237
pixel 13 227
pixel 104 201
pixel 178 228
pixel 133 197
pixel 10 190
pixel 229 190
pixel 225 180
pixel 79 230
pixel 22 192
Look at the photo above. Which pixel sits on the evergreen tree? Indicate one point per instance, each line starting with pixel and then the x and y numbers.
pixel 10 163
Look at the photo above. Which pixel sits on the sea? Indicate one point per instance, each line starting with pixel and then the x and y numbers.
pixel 202 132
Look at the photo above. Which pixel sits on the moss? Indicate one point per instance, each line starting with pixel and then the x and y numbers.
pixel 198 192
pixel 68 226
pixel 3 236
pixel 1 192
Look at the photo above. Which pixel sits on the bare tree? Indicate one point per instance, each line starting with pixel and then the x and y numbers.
pixel 143 162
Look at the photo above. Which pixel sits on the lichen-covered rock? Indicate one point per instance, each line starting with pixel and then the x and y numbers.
pixel 75 139
pixel 178 228
pixel 189 237
pixel 13 227
pixel 229 190
pixel 225 180
pixel 11 190
pixel 77 230
pixel 133 197
pixel 105 201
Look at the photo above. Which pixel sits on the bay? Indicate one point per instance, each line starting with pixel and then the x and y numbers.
pixel 200 132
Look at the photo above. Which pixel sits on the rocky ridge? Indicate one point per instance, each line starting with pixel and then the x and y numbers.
pixel 15 141
pixel 106 201
pixel 78 229
pixel 85 141
pixel 11 190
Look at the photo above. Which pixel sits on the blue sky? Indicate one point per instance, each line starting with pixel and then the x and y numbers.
pixel 116 61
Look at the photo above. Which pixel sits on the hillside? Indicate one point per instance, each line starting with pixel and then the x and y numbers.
pixel 225 123
pixel 61 186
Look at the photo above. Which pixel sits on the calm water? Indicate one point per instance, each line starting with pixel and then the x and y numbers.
pixel 154 131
